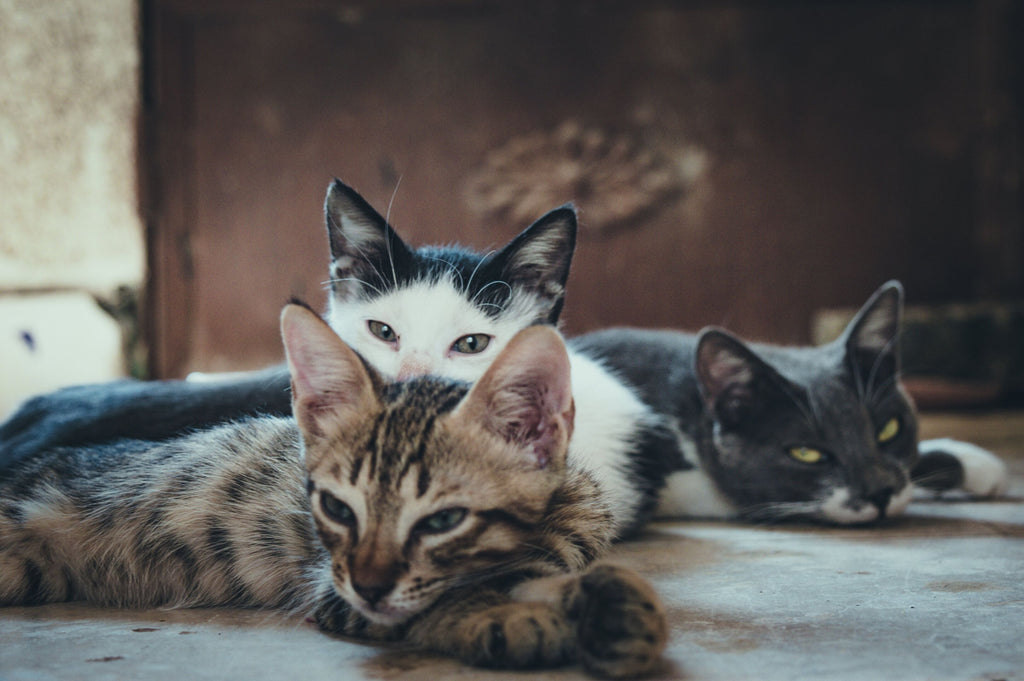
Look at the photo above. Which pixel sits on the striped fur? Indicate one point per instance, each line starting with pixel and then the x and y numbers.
pixel 450 517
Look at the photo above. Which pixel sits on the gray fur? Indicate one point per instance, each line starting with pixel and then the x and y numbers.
pixel 743 406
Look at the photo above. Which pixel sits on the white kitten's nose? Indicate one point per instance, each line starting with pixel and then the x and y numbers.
pixel 414 365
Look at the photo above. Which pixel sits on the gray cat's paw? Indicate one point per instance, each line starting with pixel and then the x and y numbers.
pixel 622 625
pixel 947 464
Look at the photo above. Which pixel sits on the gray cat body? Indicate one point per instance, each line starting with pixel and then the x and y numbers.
pixel 767 432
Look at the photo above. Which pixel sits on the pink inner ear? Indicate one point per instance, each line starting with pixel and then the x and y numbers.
pixel 524 415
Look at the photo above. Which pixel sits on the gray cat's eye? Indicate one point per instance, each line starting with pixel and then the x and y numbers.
pixel 337 510
pixel 472 343
pixel 442 521
pixel 382 331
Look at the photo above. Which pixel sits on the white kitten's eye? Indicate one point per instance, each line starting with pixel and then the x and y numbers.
pixel 382 331
pixel 472 343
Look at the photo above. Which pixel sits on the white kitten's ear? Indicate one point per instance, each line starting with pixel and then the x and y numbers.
pixel 365 250
pixel 330 383
pixel 872 338
pixel 525 397
pixel 538 261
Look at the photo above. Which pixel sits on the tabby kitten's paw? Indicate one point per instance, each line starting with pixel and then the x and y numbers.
pixel 946 464
pixel 335 616
pixel 622 627
pixel 519 636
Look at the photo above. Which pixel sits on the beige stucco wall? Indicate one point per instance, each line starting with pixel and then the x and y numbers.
pixel 68 198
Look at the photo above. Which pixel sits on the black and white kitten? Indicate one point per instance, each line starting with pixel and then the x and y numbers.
pixel 769 432
pixel 430 310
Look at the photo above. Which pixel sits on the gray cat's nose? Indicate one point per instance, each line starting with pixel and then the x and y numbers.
pixel 880 500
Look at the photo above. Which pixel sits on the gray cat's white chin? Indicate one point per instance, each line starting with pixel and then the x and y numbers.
pixel 841 508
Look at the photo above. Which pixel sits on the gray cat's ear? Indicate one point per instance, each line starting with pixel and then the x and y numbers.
pixel 366 253
pixel 525 398
pixel 734 382
pixel 331 385
pixel 538 261
pixel 872 338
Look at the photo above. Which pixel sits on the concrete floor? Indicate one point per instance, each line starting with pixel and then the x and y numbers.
pixel 935 595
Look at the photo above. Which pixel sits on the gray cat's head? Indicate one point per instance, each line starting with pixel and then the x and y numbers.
pixel 445 311
pixel 826 433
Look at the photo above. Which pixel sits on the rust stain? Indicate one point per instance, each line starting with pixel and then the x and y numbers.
pixel 960 587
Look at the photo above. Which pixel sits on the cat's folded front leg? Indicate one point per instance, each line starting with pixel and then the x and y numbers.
pixel 620 623
pixel 485 628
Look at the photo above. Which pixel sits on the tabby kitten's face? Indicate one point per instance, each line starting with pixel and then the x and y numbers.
pixel 440 311
pixel 423 485
pixel 826 433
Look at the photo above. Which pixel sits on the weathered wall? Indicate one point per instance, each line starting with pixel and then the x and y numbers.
pixel 69 217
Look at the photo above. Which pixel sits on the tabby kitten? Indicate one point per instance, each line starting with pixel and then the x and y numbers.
pixel 408 311
pixel 452 518
pixel 766 432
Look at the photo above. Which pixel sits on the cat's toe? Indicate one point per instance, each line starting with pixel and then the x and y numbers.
pixel 952 464
pixel 520 636
pixel 622 624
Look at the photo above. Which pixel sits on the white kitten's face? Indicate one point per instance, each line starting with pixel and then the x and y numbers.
pixel 427 328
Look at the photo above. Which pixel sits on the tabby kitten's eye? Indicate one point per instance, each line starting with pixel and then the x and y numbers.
pixel 382 331
pixel 337 510
pixel 889 431
pixel 442 521
pixel 806 454
pixel 472 343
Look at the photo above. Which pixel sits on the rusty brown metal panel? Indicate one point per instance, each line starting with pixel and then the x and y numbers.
pixel 741 164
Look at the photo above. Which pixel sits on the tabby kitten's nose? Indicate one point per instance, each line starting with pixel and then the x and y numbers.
pixel 372 593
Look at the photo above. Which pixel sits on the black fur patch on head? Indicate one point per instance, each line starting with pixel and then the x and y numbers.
pixel 369 259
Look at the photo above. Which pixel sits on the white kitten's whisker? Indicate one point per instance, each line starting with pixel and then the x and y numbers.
pixel 499 282
pixel 452 270
pixel 362 282
pixel 486 258
pixel 387 228
pixel 368 261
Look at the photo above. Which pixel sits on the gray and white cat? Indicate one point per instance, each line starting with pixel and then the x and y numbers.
pixel 452 518
pixel 825 433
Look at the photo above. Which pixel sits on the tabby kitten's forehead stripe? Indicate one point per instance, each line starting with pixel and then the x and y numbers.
pixel 400 434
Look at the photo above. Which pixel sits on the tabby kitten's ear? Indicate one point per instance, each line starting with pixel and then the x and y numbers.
pixel 538 261
pixel 366 253
pixel 872 338
pixel 331 385
pixel 734 382
pixel 525 398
